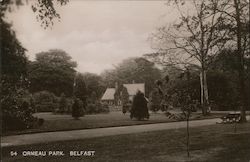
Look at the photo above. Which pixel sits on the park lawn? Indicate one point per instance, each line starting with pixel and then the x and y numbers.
pixel 209 143
pixel 64 122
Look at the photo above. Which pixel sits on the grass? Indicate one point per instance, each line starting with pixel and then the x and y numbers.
pixel 209 143
pixel 66 122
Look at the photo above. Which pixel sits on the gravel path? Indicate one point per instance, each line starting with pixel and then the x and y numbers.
pixel 36 138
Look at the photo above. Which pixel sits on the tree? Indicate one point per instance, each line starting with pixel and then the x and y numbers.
pixel 137 70
pixel 139 107
pixel 236 20
pixel 14 67
pixel 77 109
pixel 50 71
pixel 226 63
pixel 80 90
pixel 44 9
pixel 192 40
pixel 125 100
pixel 94 84
pixel 184 98
pixel 155 100
pixel 63 104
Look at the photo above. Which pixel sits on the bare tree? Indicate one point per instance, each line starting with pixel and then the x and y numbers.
pixel 193 40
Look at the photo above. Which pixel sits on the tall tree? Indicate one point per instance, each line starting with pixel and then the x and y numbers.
pixel 52 71
pixel 191 40
pixel 138 70
pixel 80 90
pixel 14 66
pixel 94 84
pixel 236 20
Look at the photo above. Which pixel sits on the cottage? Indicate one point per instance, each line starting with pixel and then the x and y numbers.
pixel 109 95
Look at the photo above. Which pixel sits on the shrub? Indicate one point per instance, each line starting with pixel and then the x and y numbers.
pixel 63 104
pixel 96 108
pixel 45 101
pixel 17 113
pixel 77 109
pixel 155 100
pixel 139 107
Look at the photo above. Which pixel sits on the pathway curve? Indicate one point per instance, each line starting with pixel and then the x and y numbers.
pixel 36 138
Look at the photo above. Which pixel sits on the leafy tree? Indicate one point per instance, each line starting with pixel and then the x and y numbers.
pixel 63 104
pixel 94 84
pixel 14 67
pixel 124 96
pixel 226 63
pixel 138 70
pixel 236 21
pixel 192 40
pixel 50 71
pixel 45 101
pixel 80 90
pixel 16 112
pixel 77 108
pixel 44 9
pixel 139 107
pixel 155 100
pixel 125 100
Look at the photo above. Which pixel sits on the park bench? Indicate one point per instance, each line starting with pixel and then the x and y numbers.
pixel 231 117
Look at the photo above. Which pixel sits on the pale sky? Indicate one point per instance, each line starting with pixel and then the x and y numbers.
pixel 96 34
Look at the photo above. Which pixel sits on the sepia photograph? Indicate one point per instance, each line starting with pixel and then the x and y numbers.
pixel 125 80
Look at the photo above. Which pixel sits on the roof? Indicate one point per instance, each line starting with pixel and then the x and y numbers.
pixel 134 88
pixel 109 94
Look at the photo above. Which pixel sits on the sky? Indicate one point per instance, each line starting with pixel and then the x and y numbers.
pixel 96 34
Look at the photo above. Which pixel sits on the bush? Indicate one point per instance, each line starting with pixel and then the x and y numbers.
pixel 63 104
pixel 45 102
pixel 77 109
pixel 139 107
pixel 155 100
pixel 17 113
pixel 96 108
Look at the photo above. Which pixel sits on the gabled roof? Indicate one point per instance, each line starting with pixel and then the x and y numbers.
pixel 134 88
pixel 109 94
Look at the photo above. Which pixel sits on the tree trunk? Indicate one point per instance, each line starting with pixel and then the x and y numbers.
pixel 188 154
pixel 204 93
pixel 206 99
pixel 241 62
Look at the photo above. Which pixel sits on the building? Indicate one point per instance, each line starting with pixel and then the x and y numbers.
pixel 109 95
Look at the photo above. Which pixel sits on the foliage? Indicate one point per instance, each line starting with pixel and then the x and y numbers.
pixel 223 90
pixel 155 100
pixel 139 107
pixel 191 40
pixel 51 70
pixel 138 70
pixel 80 90
pixel 77 109
pixel 63 104
pixel 94 84
pixel 124 96
pixel 45 101
pixel 17 112
pixel 13 59
pixel 125 100
pixel 96 108
pixel 44 9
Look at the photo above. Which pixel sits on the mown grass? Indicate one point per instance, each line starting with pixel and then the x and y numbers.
pixel 66 122
pixel 209 143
